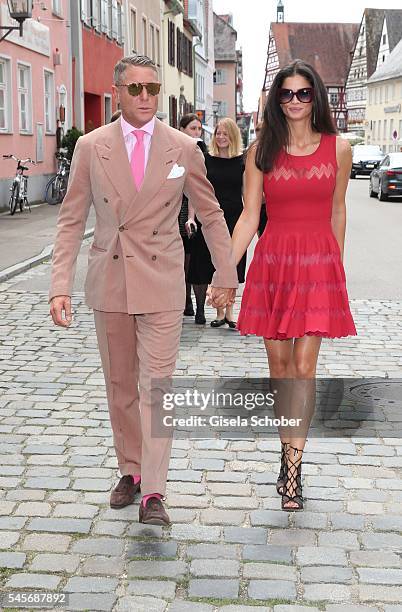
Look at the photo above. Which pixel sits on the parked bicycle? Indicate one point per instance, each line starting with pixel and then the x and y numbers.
pixel 57 186
pixel 19 187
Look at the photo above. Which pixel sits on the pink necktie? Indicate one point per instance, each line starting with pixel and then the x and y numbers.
pixel 138 158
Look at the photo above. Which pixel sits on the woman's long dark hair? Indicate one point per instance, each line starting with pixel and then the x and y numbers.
pixel 274 136
pixel 187 119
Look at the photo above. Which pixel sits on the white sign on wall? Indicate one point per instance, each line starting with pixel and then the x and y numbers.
pixel 36 35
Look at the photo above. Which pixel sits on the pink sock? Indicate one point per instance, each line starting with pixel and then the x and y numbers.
pixel 136 478
pixel 146 497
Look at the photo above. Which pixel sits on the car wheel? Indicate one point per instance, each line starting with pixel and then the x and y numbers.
pixel 353 174
pixel 383 197
pixel 372 193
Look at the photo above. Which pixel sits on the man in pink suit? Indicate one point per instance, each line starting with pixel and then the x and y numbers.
pixel 135 171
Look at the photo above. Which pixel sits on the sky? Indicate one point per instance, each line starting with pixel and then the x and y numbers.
pixel 252 18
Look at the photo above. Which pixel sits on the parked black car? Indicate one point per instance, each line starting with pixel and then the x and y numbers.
pixel 365 158
pixel 386 180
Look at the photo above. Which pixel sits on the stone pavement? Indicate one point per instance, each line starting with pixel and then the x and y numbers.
pixel 25 235
pixel 230 548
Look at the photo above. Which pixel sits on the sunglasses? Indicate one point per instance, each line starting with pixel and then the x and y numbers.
pixel 304 95
pixel 134 89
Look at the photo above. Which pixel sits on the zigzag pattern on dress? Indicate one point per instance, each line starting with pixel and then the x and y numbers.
pixel 324 170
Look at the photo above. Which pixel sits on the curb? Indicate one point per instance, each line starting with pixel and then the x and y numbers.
pixel 45 255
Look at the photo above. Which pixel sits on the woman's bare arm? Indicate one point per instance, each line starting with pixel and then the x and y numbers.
pixel 338 218
pixel 249 219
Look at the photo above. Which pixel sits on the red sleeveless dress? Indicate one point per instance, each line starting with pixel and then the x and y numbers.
pixel 296 282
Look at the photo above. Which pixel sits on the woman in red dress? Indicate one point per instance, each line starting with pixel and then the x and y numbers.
pixel 295 291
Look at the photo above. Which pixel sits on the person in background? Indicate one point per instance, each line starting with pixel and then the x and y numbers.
pixel 225 167
pixel 191 125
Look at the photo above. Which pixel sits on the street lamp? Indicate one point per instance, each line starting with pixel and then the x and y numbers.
pixel 19 10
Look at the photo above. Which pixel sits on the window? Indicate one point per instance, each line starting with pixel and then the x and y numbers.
pixel 152 37
pixel 56 7
pixel 63 103
pixel 391 127
pixel 5 101
pixel 385 134
pixel 184 53
pixel 158 46
pixel 106 22
pixel 334 99
pixel 379 130
pixel 384 39
pixel 171 43
pixel 386 94
pixel 86 12
pixel 108 108
pixel 115 27
pixel 179 57
pixel 383 58
pixel 133 30
pixel 222 108
pixel 173 111
pixel 49 101
pixel 373 128
pixel 121 24
pixel 24 98
pixel 97 14
pixel 144 36
pixel 220 76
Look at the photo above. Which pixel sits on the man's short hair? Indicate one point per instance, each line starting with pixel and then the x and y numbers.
pixel 131 60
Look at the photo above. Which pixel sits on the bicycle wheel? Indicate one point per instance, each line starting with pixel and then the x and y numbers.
pixel 52 191
pixel 63 187
pixel 15 196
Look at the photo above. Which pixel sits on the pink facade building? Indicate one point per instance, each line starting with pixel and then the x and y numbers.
pixel 225 77
pixel 35 93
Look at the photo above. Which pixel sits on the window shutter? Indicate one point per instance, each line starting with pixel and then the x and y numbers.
pixel 104 11
pixel 122 25
pixel 115 33
pixel 95 14
pixel 84 16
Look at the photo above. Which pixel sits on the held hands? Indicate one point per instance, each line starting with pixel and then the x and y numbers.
pixel 220 298
pixel 190 226
pixel 59 306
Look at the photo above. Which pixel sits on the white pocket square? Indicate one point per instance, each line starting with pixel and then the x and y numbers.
pixel 176 172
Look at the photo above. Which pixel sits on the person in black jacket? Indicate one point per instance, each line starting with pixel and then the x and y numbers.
pixel 191 125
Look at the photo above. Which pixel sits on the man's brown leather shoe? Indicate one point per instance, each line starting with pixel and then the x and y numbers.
pixel 153 513
pixel 124 493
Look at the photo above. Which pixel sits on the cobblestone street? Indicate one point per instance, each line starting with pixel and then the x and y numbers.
pixel 230 546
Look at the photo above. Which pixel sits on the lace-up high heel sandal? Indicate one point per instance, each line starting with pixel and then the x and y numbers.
pixel 282 472
pixel 292 488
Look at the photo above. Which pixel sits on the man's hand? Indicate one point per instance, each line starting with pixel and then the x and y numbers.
pixel 191 227
pixel 220 298
pixel 59 306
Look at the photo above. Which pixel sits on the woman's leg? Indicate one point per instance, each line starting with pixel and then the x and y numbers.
pixel 302 406
pixel 200 292
pixel 189 310
pixel 281 371
pixel 280 357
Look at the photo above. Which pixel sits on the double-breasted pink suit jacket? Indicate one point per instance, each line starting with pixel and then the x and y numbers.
pixel 136 260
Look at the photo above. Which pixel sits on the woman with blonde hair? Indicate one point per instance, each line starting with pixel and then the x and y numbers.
pixel 225 167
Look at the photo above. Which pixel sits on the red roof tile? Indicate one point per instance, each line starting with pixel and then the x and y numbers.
pixel 326 46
